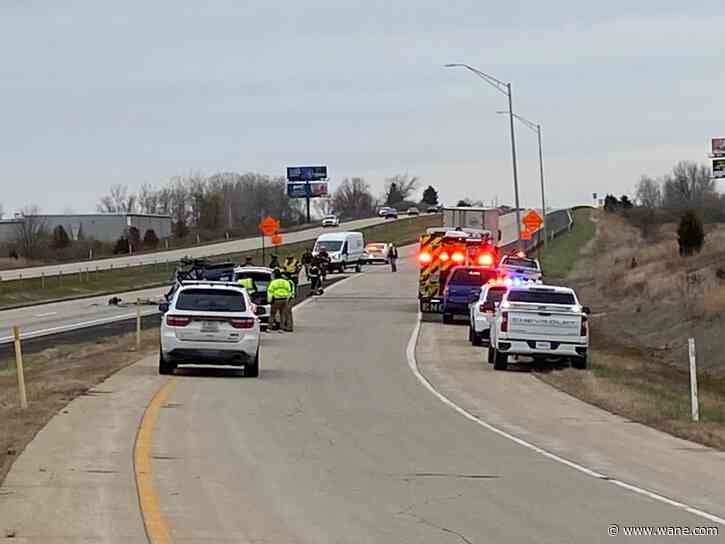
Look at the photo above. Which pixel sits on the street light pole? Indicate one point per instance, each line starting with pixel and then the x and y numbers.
pixel 536 128
pixel 516 173
pixel 504 88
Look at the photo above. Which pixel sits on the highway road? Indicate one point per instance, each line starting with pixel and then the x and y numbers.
pixel 357 431
pixel 208 250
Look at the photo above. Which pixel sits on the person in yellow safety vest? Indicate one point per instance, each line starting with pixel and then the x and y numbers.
pixel 279 294
pixel 248 284
pixel 292 268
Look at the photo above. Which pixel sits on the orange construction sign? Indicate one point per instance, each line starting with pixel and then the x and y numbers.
pixel 276 239
pixel 532 221
pixel 525 235
pixel 269 226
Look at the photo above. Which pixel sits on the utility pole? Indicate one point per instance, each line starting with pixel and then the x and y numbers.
pixel 541 172
pixel 516 170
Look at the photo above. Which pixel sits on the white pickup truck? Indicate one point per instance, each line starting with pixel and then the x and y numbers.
pixel 542 322
pixel 523 268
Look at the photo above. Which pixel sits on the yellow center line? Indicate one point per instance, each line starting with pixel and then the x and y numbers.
pixel 157 530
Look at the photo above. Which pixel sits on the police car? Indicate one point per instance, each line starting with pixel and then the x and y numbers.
pixel 209 323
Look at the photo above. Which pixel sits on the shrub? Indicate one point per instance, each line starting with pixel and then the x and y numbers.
pixel 690 234
pixel 180 229
pixel 150 240
pixel 121 246
pixel 61 240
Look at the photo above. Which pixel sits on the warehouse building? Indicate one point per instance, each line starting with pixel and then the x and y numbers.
pixel 104 227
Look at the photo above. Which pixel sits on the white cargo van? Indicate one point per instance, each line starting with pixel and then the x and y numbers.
pixel 345 249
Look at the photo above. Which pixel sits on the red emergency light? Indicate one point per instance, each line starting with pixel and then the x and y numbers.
pixel 458 257
pixel 485 259
pixel 444 256
pixel 425 257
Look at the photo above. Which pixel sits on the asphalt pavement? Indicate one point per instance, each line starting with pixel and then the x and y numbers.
pixel 339 441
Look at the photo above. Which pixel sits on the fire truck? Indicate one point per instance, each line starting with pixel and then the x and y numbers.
pixel 440 250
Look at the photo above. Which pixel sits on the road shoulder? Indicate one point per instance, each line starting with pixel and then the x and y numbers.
pixel 75 481
pixel 520 404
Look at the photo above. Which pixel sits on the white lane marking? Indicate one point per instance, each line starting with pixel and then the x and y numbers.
pixel 413 364
pixel 47 314
pixel 330 288
pixel 74 326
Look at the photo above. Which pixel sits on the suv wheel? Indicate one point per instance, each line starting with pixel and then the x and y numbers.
pixel 165 367
pixel 476 340
pixel 447 318
pixel 251 370
pixel 580 363
pixel 491 355
pixel 500 360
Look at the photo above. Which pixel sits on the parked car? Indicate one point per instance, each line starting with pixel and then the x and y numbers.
pixel 521 267
pixel 413 211
pixel 482 313
pixel 331 221
pixel 261 278
pixel 209 323
pixel 463 287
pixel 344 248
pixel 542 322
pixel 376 252
pixel 433 209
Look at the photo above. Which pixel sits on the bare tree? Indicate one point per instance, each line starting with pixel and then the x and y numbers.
pixel 353 199
pixel 648 192
pixel 323 206
pixel 402 184
pixel 118 201
pixel 29 231
pixel 148 199
pixel 688 185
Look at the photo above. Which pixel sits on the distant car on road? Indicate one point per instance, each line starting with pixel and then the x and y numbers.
pixel 209 323
pixel 433 209
pixel 521 267
pixel 388 213
pixel 261 278
pixel 376 252
pixel 482 313
pixel 542 322
pixel 331 221
pixel 463 287
pixel 413 211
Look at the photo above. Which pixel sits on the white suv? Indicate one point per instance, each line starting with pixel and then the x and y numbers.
pixel 209 323
pixel 482 313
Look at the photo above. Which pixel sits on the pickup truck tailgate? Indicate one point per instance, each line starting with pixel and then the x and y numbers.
pixel 534 324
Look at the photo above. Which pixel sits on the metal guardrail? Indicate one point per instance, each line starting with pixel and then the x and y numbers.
pixel 557 222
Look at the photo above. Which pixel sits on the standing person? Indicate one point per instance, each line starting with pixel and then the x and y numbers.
pixel 307 260
pixel 248 262
pixel 324 260
pixel 287 319
pixel 292 269
pixel 315 277
pixel 274 261
pixel 278 295
pixel 393 258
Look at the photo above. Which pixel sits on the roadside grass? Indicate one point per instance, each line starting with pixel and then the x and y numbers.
pixel 562 252
pixel 94 283
pixel 632 385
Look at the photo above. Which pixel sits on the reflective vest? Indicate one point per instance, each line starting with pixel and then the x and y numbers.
pixel 279 288
pixel 291 266
pixel 247 283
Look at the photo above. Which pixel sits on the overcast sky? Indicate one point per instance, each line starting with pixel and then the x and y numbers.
pixel 96 93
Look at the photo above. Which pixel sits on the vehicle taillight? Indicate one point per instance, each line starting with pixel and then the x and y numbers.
pixel 425 257
pixel 486 259
pixel 458 257
pixel 177 320
pixel 505 322
pixel 444 256
pixel 242 323
pixel 584 329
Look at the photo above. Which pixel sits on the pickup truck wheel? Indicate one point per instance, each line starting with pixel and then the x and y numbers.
pixel 251 370
pixel 447 318
pixel 500 360
pixel 165 367
pixel 580 363
pixel 491 355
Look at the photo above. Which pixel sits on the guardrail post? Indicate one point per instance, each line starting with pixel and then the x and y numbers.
pixel 694 402
pixel 19 368
pixel 138 324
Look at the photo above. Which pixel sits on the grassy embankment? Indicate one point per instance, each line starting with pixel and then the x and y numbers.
pixel 625 378
pixel 37 290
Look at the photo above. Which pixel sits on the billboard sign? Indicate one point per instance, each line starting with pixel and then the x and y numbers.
pixel 718 168
pixel 718 147
pixel 316 189
pixel 306 173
